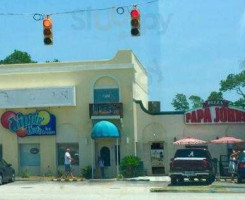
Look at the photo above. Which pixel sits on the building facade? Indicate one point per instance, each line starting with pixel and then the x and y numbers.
pixel 96 108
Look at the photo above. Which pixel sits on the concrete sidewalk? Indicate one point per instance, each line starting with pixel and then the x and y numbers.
pixel 151 178
pixel 141 178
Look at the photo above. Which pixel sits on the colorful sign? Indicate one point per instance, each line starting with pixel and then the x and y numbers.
pixel 215 112
pixel 33 124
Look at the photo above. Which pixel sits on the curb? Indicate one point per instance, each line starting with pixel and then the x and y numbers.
pixel 194 191
pixel 138 180
pixel 67 180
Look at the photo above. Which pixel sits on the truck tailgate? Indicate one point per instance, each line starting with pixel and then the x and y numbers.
pixel 188 164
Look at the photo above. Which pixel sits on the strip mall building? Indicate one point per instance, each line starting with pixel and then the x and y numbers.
pixel 98 108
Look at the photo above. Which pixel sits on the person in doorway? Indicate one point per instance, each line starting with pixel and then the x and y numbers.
pixel 68 160
pixel 233 162
pixel 102 167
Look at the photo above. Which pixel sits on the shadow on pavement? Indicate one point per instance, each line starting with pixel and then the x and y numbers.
pixel 190 183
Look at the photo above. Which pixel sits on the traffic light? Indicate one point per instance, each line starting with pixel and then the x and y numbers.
pixel 135 22
pixel 47 31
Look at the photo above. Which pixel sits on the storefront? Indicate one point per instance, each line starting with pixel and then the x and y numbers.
pixel 214 120
pixel 46 108
pixel 97 109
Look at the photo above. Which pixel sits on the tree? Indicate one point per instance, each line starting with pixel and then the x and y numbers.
pixel 239 103
pixel 17 57
pixel 234 82
pixel 55 60
pixel 180 102
pixel 215 95
pixel 196 101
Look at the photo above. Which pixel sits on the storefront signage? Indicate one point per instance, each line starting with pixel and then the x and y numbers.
pixel 215 112
pixel 38 97
pixel 34 124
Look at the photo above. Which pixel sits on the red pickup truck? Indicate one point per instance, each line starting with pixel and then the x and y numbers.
pixel 192 163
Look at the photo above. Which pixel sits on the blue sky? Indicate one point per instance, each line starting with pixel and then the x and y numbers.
pixel 187 46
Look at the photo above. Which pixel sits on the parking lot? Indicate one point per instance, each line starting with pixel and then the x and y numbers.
pixel 115 189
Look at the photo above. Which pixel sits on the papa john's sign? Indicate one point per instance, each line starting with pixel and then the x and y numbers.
pixel 38 123
pixel 215 112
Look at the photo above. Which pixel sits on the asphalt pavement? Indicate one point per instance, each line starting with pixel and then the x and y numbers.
pixel 112 189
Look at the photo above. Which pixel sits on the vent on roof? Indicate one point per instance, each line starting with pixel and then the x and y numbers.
pixel 154 106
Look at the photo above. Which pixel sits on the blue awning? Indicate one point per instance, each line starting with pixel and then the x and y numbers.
pixel 105 129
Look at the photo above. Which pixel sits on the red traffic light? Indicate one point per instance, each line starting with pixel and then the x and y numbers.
pixel 135 22
pixel 135 13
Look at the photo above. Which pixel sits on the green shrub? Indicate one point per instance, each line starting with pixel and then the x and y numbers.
pixel 86 172
pixel 24 173
pixel 60 173
pixel 129 166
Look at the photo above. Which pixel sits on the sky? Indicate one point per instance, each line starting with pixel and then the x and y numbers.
pixel 186 46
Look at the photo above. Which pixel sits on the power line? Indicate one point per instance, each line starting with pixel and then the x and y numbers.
pixel 40 16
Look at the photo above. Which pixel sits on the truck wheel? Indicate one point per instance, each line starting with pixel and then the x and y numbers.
pixel 173 180
pixel 177 180
pixel 209 180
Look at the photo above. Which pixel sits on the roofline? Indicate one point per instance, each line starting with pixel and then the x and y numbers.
pixel 55 69
pixel 158 113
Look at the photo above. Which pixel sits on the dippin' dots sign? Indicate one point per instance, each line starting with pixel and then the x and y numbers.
pixel 33 124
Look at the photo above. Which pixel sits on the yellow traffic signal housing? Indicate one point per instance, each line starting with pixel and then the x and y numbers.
pixel 47 31
pixel 135 22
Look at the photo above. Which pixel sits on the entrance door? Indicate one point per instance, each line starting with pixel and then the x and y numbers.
pixel 105 149
pixel 157 158
pixel 30 158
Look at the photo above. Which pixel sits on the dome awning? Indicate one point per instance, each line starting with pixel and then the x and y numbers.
pixel 105 129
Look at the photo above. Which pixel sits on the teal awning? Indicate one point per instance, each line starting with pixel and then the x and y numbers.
pixel 105 129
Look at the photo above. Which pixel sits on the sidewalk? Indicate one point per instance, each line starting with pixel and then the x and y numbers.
pixel 151 178
pixel 216 187
pixel 141 178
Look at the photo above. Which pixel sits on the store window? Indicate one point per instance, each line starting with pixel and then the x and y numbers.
pixel 106 95
pixel 105 154
pixel 74 149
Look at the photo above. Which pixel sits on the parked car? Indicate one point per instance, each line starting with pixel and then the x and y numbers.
pixel 241 167
pixel 192 163
pixel 7 173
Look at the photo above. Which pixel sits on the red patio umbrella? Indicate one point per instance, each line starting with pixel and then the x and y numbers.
pixel 189 140
pixel 227 140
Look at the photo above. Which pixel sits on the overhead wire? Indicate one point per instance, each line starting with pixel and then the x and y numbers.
pixel 75 11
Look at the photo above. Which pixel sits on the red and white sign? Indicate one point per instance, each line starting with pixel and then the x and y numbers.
pixel 215 114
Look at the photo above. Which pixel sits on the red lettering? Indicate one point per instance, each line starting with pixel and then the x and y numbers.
pixel 243 116
pixel 200 115
pixel 238 115
pixel 207 115
pixel 223 114
pixel 187 117
pixel 231 115
pixel 217 115
pixel 193 117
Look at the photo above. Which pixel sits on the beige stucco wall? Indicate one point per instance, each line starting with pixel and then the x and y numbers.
pixel 163 128
pixel 73 123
